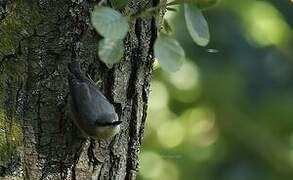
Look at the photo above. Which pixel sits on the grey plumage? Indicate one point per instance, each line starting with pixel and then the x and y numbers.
pixel 91 111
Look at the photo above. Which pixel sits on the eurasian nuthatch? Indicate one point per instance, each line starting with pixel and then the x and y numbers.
pixel 92 113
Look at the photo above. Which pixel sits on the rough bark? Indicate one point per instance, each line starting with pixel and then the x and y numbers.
pixel 37 138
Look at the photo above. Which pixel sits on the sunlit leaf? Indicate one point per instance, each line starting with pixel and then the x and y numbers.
pixel 155 64
pixel 197 26
pixel 165 27
pixel 109 23
pixel 169 53
pixel 110 51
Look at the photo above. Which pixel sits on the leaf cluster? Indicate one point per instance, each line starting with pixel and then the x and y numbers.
pixel 114 26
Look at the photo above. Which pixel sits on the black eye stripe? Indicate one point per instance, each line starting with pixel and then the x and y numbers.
pixel 108 123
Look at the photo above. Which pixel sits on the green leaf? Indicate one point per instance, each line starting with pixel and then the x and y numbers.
pixel 120 3
pixel 205 4
pixel 201 4
pixel 109 23
pixel 110 51
pixel 171 9
pixel 155 64
pixel 169 53
pixel 175 2
pixel 165 27
pixel 197 26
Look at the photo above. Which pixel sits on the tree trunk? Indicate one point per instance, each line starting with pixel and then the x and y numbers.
pixel 37 138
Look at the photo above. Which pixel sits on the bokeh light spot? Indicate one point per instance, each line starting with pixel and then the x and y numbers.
pixel 201 127
pixel 156 118
pixel 159 96
pixel 170 171
pixel 264 24
pixel 186 78
pixel 170 134
pixel 151 164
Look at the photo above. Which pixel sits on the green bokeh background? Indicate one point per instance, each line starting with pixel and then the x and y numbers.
pixel 227 114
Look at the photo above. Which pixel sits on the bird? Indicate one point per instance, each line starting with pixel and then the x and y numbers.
pixel 90 110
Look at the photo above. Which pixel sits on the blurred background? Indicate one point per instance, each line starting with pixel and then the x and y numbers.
pixel 227 114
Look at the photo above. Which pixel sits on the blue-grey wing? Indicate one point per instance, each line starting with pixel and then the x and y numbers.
pixel 83 101
pixel 102 105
